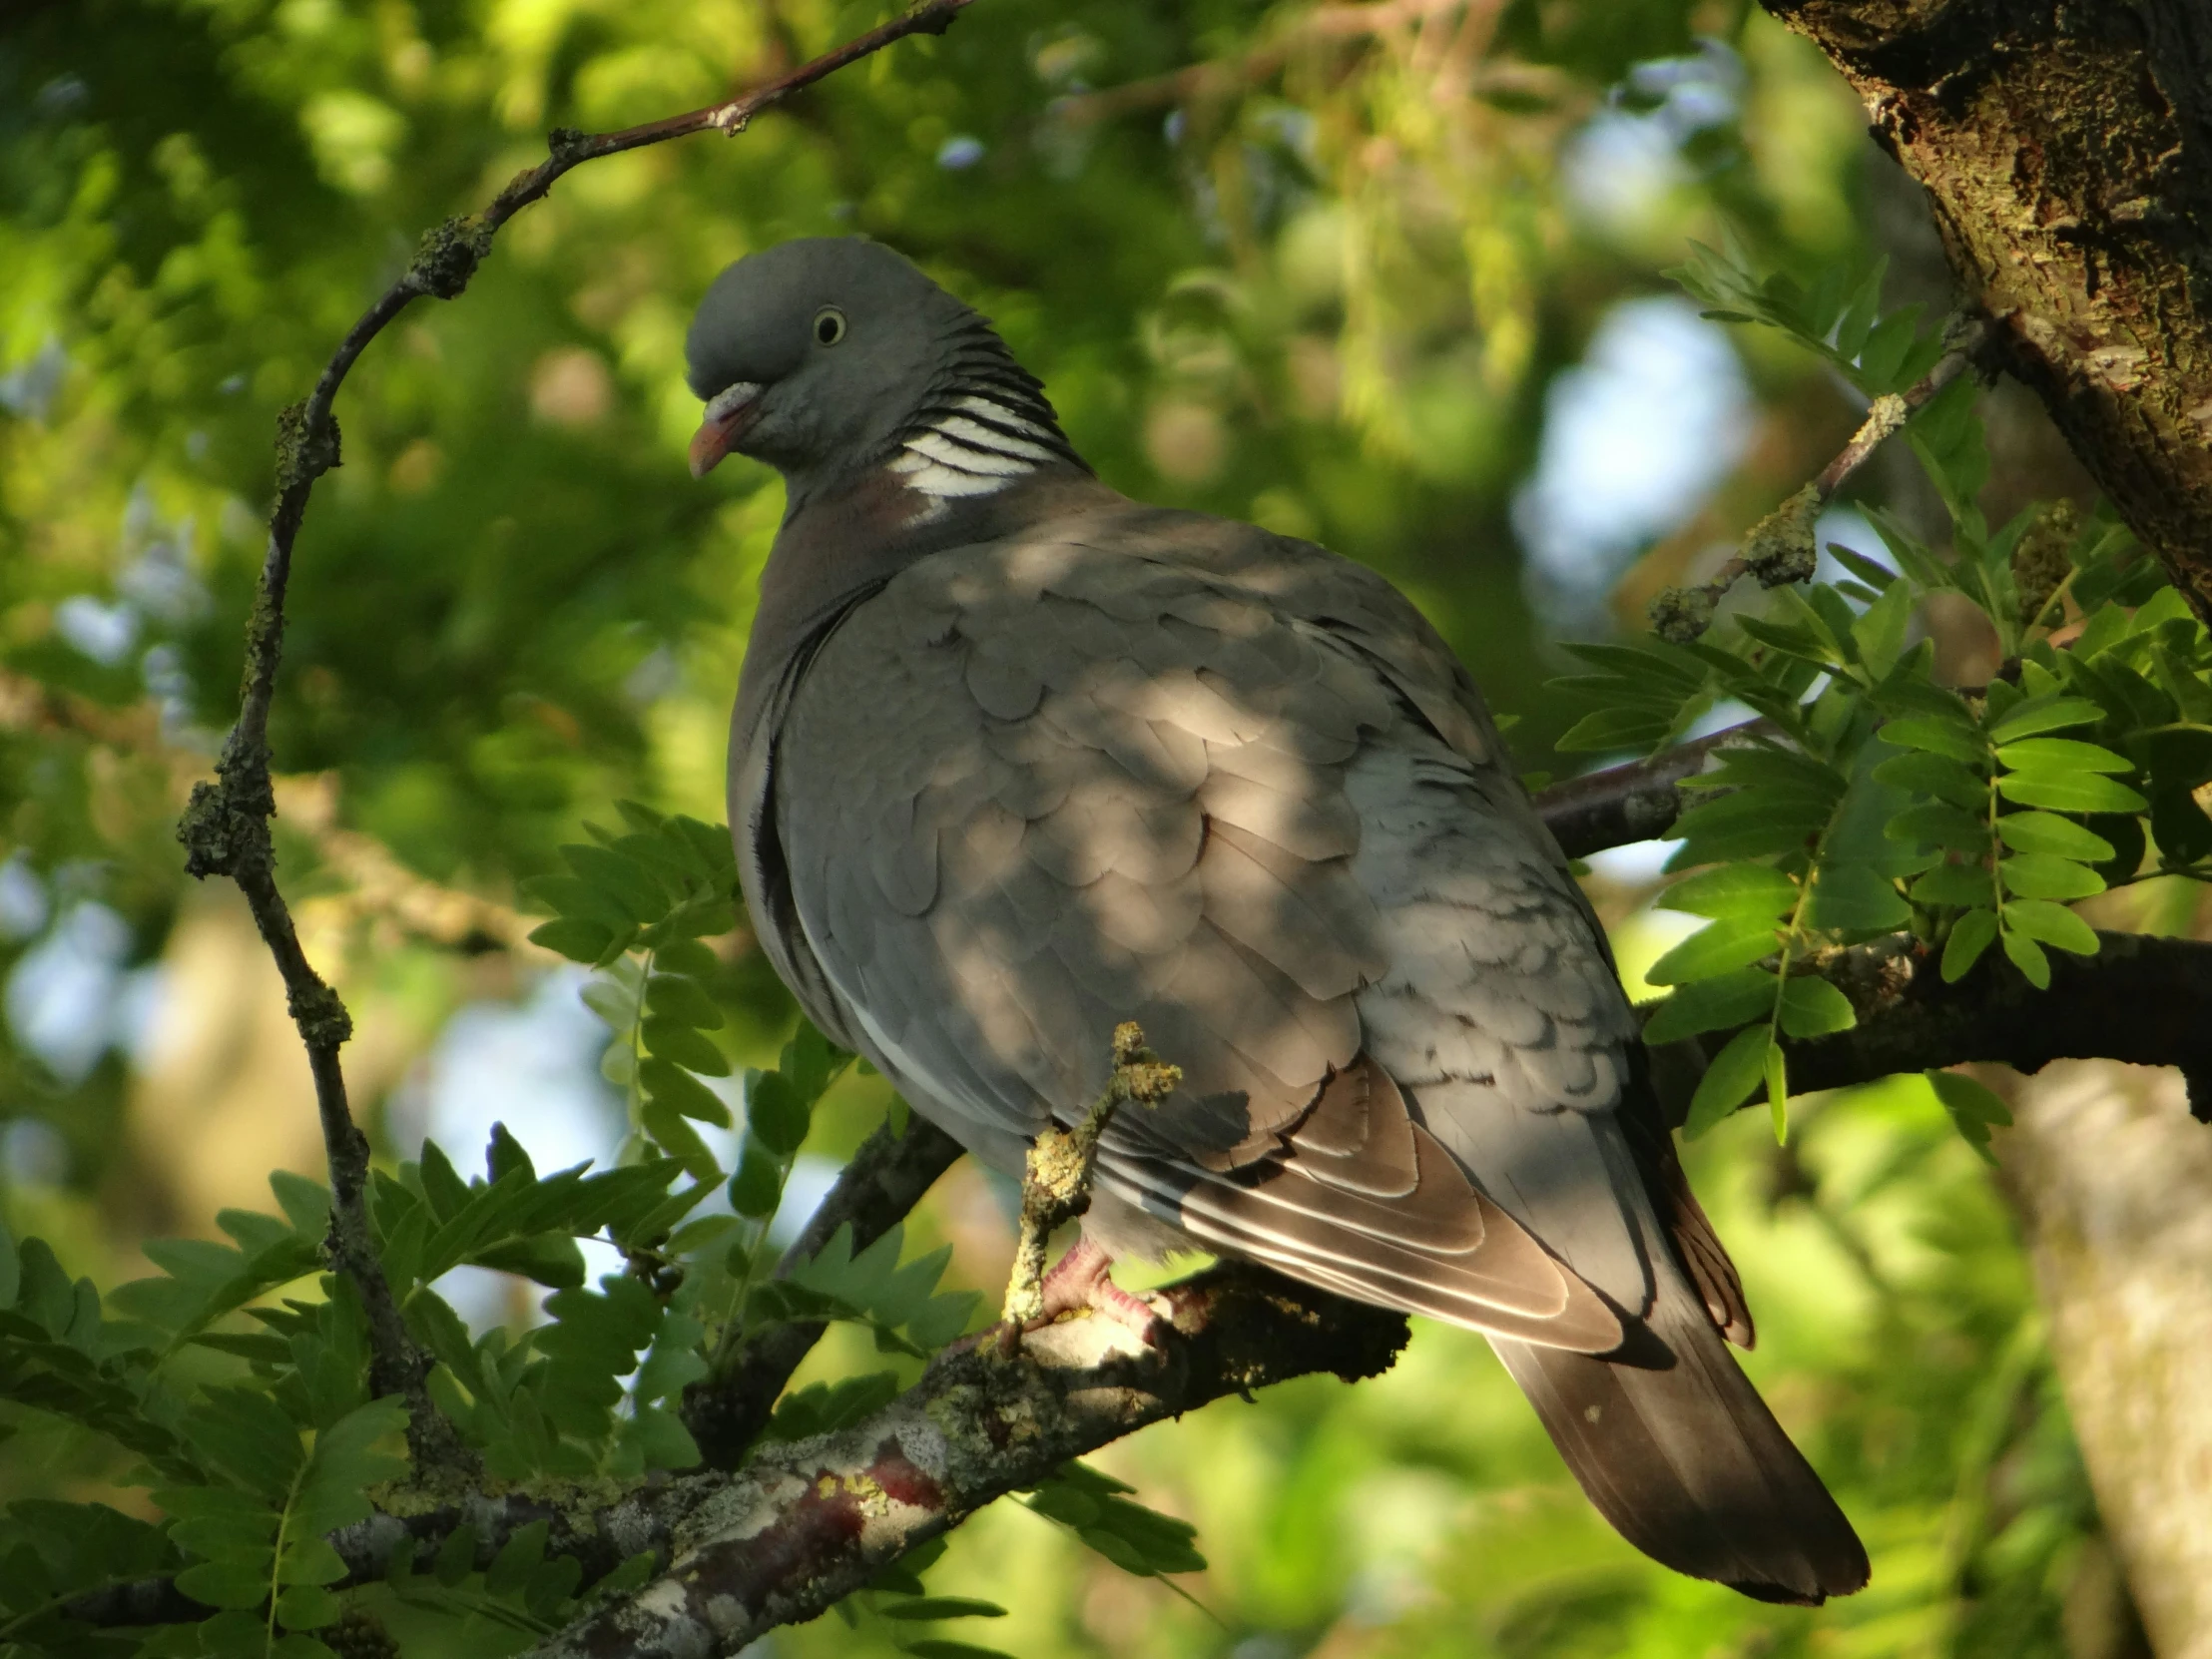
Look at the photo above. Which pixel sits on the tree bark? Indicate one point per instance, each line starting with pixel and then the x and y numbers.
pixel 2066 150
pixel 2110 1175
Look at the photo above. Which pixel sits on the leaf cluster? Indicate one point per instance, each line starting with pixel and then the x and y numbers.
pixel 1098 1509
pixel 634 904
pixel 1837 315
pixel 1873 799
pixel 238 1378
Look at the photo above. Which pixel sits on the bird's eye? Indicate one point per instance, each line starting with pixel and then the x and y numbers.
pixel 828 326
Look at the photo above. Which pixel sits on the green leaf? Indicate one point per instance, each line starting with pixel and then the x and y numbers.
pixel 1742 893
pixel 1778 1092
pixel 2051 925
pixel 671 1040
pixel 680 998
pixel 2062 755
pixel 1137 1540
pixel 1941 737
pixel 580 900
pixel 246 1434
pixel 1970 936
pixel 825 1407
pixel 2041 876
pixel 1714 949
pixel 1714 1004
pixel 307 1607
pixel 511 1568
pixel 1852 897
pixel 1972 1108
pixel 1728 1081
pixel 942 1607
pixel 1960 884
pixel 1611 728
pixel 676 1137
pixel 504 1156
pixel 334 1488
pixel 456 1557
pixel 1928 773
pixel 687 958
pixel 2045 714
pixel 1880 631
pixel 777 1113
pixel 614 1002
pixel 1939 824
pixel 705 917
pixel 2048 833
pixel 624 881
pixel 1811 1007
pixel 225 1584
pixel 1751 825
pixel 2028 957
pixel 665 1081
pixel 2069 793
pixel 758 1187
pixel 575 938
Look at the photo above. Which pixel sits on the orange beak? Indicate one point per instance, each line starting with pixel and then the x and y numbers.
pixel 733 410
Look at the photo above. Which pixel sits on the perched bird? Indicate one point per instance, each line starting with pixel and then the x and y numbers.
pixel 1016 758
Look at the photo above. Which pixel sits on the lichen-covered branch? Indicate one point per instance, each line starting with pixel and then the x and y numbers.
pixel 2067 151
pixel 805 1524
pixel 1781 547
pixel 225 829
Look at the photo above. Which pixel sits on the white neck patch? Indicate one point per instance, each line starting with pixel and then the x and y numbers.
pixel 977 448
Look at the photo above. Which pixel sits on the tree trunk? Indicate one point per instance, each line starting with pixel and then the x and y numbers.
pixel 2066 150
pixel 2112 1180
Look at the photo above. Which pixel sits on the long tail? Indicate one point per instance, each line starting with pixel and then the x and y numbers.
pixel 1679 1453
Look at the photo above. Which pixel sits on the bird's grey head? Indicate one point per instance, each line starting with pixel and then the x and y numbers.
pixel 830 356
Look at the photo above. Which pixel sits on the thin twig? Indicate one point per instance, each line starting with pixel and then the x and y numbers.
pixel 225 829
pixel 1781 547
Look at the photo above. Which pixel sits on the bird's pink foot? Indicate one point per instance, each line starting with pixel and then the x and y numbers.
pixel 1080 1283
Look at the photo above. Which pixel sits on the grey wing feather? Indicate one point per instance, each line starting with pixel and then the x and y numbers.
pixel 1172 770
pixel 1163 833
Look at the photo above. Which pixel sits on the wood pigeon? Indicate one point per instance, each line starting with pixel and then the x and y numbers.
pixel 1016 758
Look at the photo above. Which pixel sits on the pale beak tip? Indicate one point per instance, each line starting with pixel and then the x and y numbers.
pixel 708 447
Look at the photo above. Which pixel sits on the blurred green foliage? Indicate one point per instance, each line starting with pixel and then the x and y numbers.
pixel 1310 264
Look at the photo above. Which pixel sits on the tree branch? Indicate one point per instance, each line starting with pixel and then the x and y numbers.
pixel 886 1179
pixel 804 1525
pixel 2139 999
pixel 225 829
pixel 1783 547
pixel 1636 802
